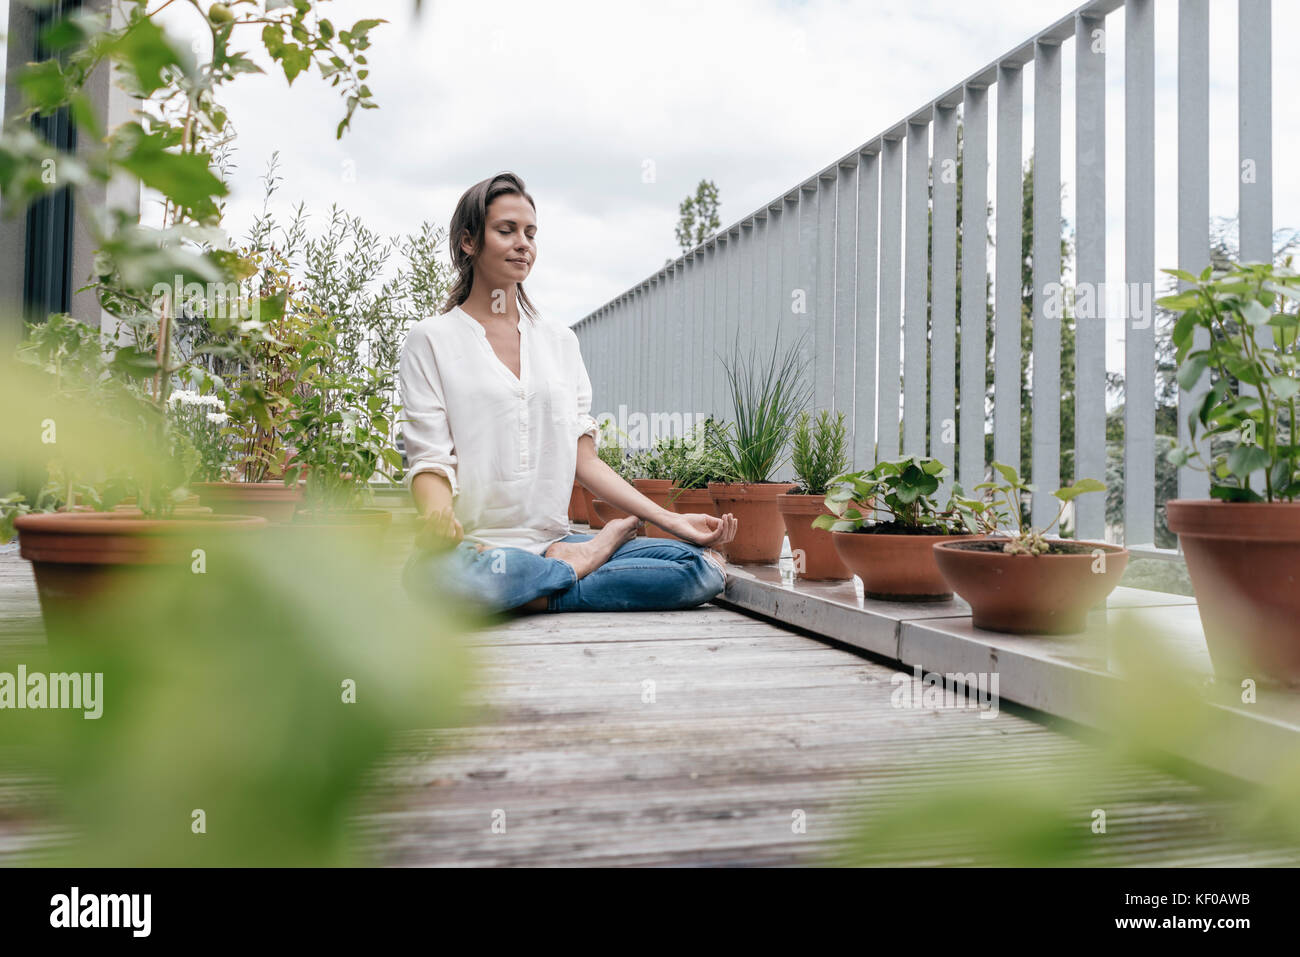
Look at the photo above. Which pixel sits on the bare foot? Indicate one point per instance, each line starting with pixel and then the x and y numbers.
pixel 717 559
pixel 586 557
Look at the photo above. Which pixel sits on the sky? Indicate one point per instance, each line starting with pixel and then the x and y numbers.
pixel 581 98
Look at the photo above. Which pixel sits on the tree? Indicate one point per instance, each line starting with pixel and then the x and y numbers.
pixel 699 216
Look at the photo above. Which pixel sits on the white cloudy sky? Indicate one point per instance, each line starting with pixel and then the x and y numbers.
pixel 756 95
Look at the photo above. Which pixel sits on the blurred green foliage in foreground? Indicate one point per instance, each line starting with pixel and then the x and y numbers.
pixel 225 682
pixel 1040 809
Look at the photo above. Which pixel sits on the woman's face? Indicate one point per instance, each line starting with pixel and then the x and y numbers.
pixel 509 242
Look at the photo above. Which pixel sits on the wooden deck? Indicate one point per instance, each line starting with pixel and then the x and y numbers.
pixel 682 738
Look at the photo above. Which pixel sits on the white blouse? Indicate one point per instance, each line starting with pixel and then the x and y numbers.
pixel 509 447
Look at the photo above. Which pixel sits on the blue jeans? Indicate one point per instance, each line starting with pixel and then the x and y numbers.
pixel 645 574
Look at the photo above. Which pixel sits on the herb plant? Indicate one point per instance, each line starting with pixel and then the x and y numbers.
pixel 1248 416
pixel 818 451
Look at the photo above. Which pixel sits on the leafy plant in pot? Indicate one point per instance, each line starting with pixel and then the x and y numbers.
pixel 691 464
pixel 895 558
pixel 75 415
pixel 650 475
pixel 766 395
pixel 259 397
pixel 1243 544
pixel 614 453
pixel 818 453
pixel 341 427
pixel 1025 582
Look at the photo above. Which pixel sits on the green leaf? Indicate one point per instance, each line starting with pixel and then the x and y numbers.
pixel 1254 313
pixel 184 178
pixel 1193 367
pixel 1245 459
pixel 1081 487
pixel 146 51
pixel 43 85
pixel 1284 386
pixel 1231 493
pixel 1011 476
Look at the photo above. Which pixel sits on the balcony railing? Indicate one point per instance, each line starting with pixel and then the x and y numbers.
pixel 863 259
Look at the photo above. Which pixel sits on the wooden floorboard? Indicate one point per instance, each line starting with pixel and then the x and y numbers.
pixel 748 724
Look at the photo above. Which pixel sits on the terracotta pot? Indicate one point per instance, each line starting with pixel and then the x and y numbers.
pixel 589 506
pixel 274 501
pixel 364 528
pixel 687 500
pixel 896 567
pixel 577 505
pixel 79 556
pixel 1030 594
pixel 657 490
pixel 759 529
pixel 815 557
pixel 607 512
pixel 1244 562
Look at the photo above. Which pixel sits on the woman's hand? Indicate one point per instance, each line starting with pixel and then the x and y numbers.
pixel 440 530
pixel 702 529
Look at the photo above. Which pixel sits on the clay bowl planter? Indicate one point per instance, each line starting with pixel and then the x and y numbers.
pixel 896 567
pixel 589 507
pixel 364 529
pixel 1244 562
pixel 658 491
pixel 1031 594
pixel 759 528
pixel 274 501
pixel 815 556
pixel 607 512
pixel 577 505
pixel 78 556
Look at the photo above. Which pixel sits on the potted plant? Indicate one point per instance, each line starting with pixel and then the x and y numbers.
pixel 818 453
pixel 618 457
pixel 340 426
pixel 650 476
pixel 766 397
pixel 1243 544
pixel 894 557
pixel 1024 582
pixel 105 437
pixel 691 464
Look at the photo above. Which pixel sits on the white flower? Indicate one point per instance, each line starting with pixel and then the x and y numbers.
pixel 184 397
pixel 218 418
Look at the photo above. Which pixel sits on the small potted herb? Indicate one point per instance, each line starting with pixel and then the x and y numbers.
pixel 894 557
pixel 650 477
pixel 614 453
pixel 818 453
pixel 1243 543
pixel 691 464
pixel 766 395
pixel 1024 582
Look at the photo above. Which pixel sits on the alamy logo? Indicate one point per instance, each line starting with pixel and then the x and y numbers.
pixel 931 690
pixel 58 690
pixel 102 910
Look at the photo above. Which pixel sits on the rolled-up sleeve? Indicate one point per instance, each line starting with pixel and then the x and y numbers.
pixel 429 446
pixel 586 424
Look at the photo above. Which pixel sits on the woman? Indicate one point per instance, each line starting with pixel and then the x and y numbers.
pixel 497 424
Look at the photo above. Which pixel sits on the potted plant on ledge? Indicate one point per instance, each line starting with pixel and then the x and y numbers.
pixel 818 454
pixel 895 557
pixel 341 427
pixel 650 471
pixel 766 397
pixel 1243 544
pixel 1028 583
pixel 618 457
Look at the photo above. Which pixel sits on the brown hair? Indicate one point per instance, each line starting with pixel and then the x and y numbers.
pixel 471 217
